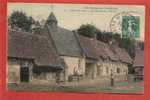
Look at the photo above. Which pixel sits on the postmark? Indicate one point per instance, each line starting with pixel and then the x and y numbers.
pixel 127 24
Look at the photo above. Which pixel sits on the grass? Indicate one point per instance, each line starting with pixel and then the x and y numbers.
pixel 120 87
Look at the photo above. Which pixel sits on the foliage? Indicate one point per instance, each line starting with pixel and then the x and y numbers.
pixel 126 43
pixel 104 36
pixel 20 20
pixel 129 45
pixel 88 30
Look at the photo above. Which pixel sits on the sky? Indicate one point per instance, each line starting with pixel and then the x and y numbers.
pixel 72 16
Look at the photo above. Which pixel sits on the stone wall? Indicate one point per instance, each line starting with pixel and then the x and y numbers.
pixel 14 67
pixel 72 65
pixel 119 70
pixel 13 71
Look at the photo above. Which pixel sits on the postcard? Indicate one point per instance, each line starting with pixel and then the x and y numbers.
pixel 89 48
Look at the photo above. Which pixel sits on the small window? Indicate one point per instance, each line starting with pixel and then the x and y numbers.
pixel 118 70
pixel 107 70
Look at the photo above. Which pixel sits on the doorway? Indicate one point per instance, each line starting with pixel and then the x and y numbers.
pixel 24 74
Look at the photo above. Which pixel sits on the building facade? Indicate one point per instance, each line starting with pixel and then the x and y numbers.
pixel 103 59
pixel 29 56
pixel 88 46
pixel 67 47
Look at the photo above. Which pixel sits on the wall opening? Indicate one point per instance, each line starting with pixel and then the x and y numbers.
pixel 24 74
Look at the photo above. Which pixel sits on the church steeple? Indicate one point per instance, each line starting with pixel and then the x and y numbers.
pixel 52 21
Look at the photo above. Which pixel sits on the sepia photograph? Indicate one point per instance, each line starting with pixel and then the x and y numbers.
pixel 83 48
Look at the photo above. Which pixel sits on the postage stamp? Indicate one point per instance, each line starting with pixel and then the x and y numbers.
pixel 127 24
pixel 130 26
pixel 75 47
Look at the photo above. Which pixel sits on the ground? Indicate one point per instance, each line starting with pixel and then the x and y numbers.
pixel 83 86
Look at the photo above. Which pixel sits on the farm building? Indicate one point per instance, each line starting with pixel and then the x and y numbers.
pixel 89 47
pixel 124 60
pixel 67 47
pixel 101 59
pixel 31 56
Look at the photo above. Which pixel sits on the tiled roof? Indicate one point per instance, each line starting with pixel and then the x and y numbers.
pixel 95 49
pixel 89 47
pixel 122 54
pixel 29 46
pixel 106 52
pixel 65 41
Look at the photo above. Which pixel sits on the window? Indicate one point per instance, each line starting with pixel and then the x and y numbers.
pixel 118 70
pixel 98 70
pixel 107 70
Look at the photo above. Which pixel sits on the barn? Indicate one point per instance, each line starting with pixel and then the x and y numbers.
pixel 31 57
pixel 102 58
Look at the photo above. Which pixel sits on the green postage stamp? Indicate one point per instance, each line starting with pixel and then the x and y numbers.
pixel 128 24
pixel 131 26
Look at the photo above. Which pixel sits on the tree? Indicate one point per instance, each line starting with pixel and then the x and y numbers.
pixel 36 28
pixel 20 20
pixel 129 45
pixel 104 36
pixel 88 30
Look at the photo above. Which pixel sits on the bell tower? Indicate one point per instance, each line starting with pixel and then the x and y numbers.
pixel 52 21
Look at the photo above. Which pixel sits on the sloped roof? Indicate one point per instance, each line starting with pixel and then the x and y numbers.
pixel 89 46
pixel 95 49
pixel 65 41
pixel 52 17
pixel 139 58
pixel 106 52
pixel 31 46
pixel 122 54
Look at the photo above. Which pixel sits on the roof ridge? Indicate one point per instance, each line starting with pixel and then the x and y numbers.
pixel 26 33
